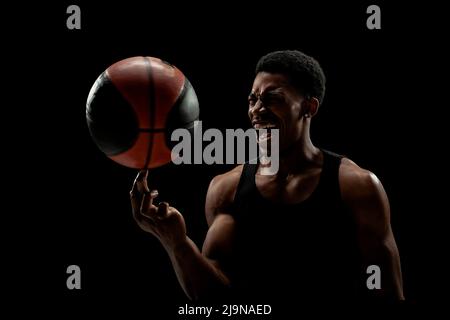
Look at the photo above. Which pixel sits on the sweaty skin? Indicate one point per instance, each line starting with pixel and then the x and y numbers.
pixel 273 103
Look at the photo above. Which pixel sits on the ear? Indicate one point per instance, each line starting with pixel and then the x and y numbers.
pixel 310 107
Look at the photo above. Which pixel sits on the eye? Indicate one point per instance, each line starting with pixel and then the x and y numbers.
pixel 272 98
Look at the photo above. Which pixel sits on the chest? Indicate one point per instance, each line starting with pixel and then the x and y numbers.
pixel 290 190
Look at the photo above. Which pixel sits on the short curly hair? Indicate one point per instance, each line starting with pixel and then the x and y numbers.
pixel 303 71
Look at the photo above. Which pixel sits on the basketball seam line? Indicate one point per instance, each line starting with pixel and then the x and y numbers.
pixel 152 107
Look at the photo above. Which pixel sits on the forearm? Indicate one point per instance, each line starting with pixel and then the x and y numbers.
pixel 197 275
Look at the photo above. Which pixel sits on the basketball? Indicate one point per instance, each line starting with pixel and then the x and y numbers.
pixel 133 107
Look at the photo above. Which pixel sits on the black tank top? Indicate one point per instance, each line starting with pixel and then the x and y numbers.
pixel 305 250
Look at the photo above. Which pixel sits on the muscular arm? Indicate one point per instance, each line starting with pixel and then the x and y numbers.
pixel 367 200
pixel 200 274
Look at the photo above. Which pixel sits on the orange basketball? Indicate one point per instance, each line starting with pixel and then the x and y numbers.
pixel 133 107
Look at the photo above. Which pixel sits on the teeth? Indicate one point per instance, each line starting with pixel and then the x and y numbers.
pixel 267 126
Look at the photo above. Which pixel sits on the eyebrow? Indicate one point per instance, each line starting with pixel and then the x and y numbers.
pixel 269 90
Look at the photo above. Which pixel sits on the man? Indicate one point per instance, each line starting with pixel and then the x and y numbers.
pixel 312 230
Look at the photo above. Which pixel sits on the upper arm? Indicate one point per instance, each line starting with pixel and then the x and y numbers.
pixel 366 198
pixel 220 195
pixel 364 194
pixel 219 240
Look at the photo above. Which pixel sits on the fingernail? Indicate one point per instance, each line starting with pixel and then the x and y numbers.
pixel 154 193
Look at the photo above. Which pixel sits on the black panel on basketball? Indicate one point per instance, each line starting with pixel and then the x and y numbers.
pixel 184 112
pixel 111 120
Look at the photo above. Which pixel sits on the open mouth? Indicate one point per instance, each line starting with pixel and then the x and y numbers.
pixel 264 130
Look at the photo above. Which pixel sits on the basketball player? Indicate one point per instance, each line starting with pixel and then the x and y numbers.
pixel 314 229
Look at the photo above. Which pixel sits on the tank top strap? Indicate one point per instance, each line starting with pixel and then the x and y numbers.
pixel 246 183
pixel 329 178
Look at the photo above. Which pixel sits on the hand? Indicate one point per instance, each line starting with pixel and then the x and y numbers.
pixel 163 221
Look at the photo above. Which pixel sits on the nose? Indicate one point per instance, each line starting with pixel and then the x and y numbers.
pixel 258 108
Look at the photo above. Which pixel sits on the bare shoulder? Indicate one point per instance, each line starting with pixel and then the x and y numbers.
pixel 221 192
pixel 364 194
pixel 357 183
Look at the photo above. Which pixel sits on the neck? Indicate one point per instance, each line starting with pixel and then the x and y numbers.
pixel 298 157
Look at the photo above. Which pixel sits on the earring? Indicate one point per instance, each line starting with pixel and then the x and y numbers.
pixel 306 115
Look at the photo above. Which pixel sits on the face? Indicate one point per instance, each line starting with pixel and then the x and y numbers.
pixel 275 104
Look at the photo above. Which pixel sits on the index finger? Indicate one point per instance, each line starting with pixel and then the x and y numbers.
pixel 138 188
pixel 140 183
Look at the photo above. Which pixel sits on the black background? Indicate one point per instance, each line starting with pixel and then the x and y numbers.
pixel 381 109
